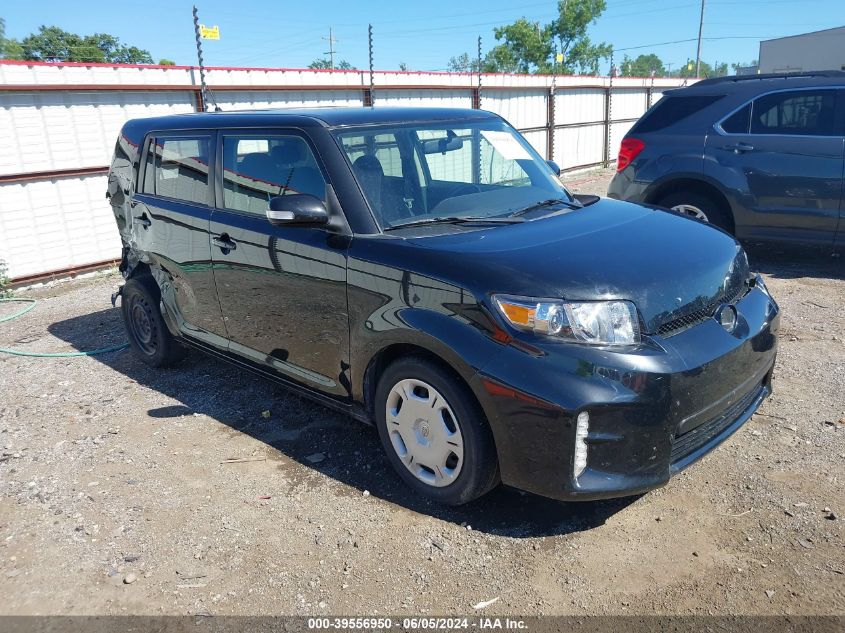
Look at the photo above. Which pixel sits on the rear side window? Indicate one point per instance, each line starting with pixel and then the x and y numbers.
pixel 738 122
pixel 177 168
pixel 673 109
pixel 801 112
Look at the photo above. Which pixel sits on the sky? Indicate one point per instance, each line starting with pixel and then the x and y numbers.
pixel 423 35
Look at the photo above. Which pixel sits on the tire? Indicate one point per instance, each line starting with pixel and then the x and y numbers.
pixel 148 335
pixel 700 206
pixel 453 448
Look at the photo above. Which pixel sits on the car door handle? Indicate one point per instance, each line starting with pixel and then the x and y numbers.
pixel 143 220
pixel 739 148
pixel 224 243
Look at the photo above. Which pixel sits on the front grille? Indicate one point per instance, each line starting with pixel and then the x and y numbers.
pixel 692 440
pixel 675 326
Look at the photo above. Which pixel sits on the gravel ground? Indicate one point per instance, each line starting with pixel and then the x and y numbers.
pixel 203 490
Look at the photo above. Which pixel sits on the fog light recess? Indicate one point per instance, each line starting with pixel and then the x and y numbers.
pixel 582 427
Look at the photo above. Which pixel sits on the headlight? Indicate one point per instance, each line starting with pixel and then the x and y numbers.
pixel 592 322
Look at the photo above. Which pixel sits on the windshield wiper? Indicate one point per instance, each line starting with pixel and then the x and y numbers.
pixel 546 203
pixel 465 219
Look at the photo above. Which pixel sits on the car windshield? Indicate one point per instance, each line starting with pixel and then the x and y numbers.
pixel 425 171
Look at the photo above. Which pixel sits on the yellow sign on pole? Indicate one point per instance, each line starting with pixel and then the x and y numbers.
pixel 209 32
pixel 559 58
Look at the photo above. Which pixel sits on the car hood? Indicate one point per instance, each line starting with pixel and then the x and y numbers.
pixel 668 265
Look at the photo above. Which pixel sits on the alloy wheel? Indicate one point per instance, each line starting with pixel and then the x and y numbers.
pixel 692 211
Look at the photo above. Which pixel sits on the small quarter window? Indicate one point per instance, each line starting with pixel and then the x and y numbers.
pixel 178 168
pixel 800 112
pixel 738 122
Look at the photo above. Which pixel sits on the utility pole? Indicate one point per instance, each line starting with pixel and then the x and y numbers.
pixel 203 88
pixel 700 30
pixel 330 52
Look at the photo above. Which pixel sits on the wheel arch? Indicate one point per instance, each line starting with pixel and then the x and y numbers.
pixel 694 185
pixel 385 356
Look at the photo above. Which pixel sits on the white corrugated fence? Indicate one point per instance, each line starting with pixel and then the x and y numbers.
pixel 59 123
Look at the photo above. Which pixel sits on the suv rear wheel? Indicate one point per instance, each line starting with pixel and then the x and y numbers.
pixel 698 206
pixel 434 432
pixel 149 337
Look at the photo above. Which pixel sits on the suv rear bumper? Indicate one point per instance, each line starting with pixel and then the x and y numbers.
pixel 623 187
pixel 652 412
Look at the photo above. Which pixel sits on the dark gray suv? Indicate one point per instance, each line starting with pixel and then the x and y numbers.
pixel 761 156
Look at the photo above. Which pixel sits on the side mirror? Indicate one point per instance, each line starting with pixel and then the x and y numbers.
pixel 301 209
pixel 554 166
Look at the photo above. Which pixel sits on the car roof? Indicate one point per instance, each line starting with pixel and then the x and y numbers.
pixel 309 117
pixel 752 84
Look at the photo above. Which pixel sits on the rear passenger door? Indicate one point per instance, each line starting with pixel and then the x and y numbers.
pixel 784 154
pixel 170 216
pixel 282 289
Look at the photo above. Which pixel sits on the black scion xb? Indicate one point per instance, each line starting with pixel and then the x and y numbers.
pixel 426 271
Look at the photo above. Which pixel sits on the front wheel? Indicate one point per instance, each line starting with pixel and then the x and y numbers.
pixel 149 337
pixel 434 432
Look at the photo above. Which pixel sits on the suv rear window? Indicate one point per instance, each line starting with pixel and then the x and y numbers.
pixel 670 110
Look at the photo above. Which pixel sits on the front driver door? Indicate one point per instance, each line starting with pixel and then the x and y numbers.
pixel 282 289
pixel 784 159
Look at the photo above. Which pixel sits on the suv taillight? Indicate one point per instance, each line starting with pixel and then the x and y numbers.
pixel 628 151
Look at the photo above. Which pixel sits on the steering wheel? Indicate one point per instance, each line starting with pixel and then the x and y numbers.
pixel 464 190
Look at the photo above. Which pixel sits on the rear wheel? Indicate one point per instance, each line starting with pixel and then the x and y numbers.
pixel 434 433
pixel 698 206
pixel 149 337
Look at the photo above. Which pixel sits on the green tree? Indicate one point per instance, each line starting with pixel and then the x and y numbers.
pixel 570 30
pixel 463 63
pixel 719 70
pixel 738 65
pixel 12 49
pixel 9 48
pixel 324 64
pixel 53 44
pixel 643 66
pixel 166 62
pixel 687 70
pixel 117 53
pixel 529 47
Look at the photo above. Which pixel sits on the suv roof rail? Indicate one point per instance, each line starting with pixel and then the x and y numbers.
pixel 838 74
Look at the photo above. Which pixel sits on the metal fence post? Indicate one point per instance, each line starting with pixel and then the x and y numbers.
pixel 608 115
pixel 550 118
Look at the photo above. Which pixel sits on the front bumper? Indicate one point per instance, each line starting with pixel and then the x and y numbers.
pixel 653 411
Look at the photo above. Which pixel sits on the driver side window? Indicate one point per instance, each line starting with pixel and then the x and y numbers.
pixel 257 168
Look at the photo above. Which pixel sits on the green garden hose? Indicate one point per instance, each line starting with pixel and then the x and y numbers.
pixel 17 352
